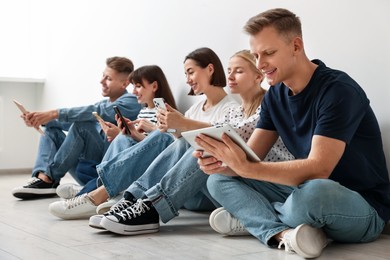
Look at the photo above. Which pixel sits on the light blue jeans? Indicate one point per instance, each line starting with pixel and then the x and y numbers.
pixel 172 181
pixel 265 209
pixel 59 153
pixel 126 160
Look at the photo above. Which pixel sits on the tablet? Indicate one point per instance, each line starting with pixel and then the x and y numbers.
pixel 216 133
pixel 24 111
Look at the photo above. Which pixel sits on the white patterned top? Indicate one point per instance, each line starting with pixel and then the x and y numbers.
pixel 245 127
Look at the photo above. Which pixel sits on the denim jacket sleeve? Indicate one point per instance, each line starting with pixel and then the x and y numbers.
pixel 127 103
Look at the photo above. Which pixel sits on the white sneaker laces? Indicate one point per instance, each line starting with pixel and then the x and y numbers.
pixel 76 201
pixel 123 204
pixel 134 210
pixel 286 242
pixel 33 180
pixel 237 226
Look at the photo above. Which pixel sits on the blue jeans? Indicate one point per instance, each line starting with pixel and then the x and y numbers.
pixel 59 153
pixel 265 209
pixel 173 180
pixel 126 160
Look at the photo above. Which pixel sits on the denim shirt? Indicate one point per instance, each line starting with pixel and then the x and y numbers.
pixel 127 104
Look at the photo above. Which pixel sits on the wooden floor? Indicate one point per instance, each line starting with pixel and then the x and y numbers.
pixel 28 231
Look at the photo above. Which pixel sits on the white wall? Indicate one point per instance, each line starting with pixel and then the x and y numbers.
pixel 67 42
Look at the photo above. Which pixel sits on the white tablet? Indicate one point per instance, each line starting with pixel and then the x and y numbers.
pixel 216 133
pixel 24 111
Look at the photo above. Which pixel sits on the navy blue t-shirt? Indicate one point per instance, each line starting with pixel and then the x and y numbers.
pixel 335 106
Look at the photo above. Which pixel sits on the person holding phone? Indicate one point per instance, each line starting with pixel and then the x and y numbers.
pixel 78 151
pixel 165 188
pixel 149 82
pixel 338 187
pixel 204 75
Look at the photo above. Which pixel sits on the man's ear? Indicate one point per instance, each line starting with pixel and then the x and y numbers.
pixel 298 44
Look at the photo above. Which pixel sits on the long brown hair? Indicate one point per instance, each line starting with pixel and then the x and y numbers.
pixel 153 73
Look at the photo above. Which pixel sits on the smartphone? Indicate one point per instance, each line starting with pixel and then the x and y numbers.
pixel 98 117
pixel 124 125
pixel 160 103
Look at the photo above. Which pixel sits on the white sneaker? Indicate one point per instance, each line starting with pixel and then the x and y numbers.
pixel 68 190
pixel 223 222
pixel 95 220
pixel 75 208
pixel 106 206
pixel 304 240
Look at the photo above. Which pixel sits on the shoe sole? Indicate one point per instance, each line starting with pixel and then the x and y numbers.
pixel 310 233
pixel 129 230
pixel 30 195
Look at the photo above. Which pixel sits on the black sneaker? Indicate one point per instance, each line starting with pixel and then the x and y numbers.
pixel 35 188
pixel 139 218
pixel 94 221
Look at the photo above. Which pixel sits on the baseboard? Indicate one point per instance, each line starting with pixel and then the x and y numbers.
pixel 15 171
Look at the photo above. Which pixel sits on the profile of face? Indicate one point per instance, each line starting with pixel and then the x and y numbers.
pixel 113 83
pixel 275 55
pixel 145 92
pixel 242 75
pixel 198 78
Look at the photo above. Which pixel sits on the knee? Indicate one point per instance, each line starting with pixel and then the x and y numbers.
pixel 80 126
pixel 320 191
pixel 215 184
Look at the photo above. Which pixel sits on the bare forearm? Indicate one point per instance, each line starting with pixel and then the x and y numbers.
pixel 290 173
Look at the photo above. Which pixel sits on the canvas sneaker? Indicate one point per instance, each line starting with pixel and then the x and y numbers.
pixel 35 188
pixel 68 190
pixel 224 223
pixel 139 218
pixel 95 220
pixel 106 206
pixel 75 208
pixel 305 241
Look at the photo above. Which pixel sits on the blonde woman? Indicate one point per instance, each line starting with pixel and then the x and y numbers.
pixel 161 194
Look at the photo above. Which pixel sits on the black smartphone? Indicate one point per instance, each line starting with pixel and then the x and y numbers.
pixel 118 112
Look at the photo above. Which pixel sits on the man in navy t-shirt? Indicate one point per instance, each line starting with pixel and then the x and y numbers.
pixel 337 188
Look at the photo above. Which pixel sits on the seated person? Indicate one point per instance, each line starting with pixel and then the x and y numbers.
pixel 59 153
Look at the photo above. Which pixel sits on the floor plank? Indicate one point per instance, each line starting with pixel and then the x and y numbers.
pixel 28 231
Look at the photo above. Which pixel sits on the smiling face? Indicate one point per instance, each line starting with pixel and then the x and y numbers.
pixel 242 76
pixel 275 55
pixel 198 78
pixel 145 92
pixel 113 83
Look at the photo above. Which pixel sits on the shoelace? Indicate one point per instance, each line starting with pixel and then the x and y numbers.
pixel 286 242
pixel 134 210
pixel 119 207
pixel 237 226
pixel 33 180
pixel 76 201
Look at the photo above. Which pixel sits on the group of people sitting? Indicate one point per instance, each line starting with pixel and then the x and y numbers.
pixel 322 174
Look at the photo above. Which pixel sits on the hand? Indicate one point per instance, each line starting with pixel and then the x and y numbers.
pixel 110 130
pixel 37 119
pixel 144 125
pixel 169 119
pixel 226 153
pixel 134 133
pixel 209 164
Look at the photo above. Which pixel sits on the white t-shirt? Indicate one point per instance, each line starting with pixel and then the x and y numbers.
pixel 213 114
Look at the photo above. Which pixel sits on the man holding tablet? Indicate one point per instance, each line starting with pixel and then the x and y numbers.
pixel 338 187
pixel 84 145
